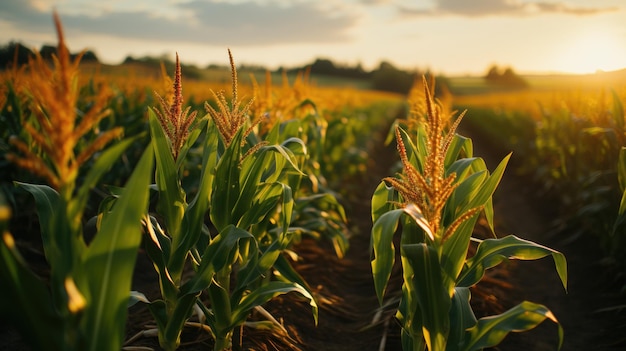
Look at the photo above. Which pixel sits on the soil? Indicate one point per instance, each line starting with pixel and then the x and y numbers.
pixel 350 317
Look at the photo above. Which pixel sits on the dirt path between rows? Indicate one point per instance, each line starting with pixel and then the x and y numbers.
pixel 351 318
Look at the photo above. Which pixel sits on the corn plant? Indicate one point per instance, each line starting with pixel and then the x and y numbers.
pixel 245 190
pixel 436 201
pixel 290 113
pixel 619 227
pixel 83 306
pixel 572 158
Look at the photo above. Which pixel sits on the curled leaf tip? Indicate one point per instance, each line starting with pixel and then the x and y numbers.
pixel 76 301
pixel 8 240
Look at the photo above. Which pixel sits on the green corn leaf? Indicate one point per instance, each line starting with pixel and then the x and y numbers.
pixel 221 308
pixel 171 204
pixel 170 326
pixel 252 170
pixel 325 201
pixel 618 111
pixel 288 274
pixel 49 210
pixel 159 238
pixel 455 252
pixel 265 201
pixel 621 168
pixel 382 200
pixel 255 267
pixel 193 135
pixel 307 103
pixel 409 312
pixel 431 294
pixel 621 175
pixel 296 146
pixel 226 187
pixel 464 165
pixel 489 187
pixel 135 297
pixel 459 144
pixel 209 317
pixel 258 267
pixel 158 309
pixel 158 248
pixel 13 106
pixel 383 249
pixel 26 301
pixel 176 321
pixel 418 217
pixel 321 215
pixel 461 317
pixel 455 248
pixel 269 164
pixel 285 130
pixel 462 196
pixel 265 293
pixel 285 152
pixel 413 149
pixel 274 134
pixel 492 252
pixel 193 219
pixel 221 253
pixel 286 210
pixel 102 165
pixel 489 214
pixel 490 331
pixel 391 134
pixel 62 246
pixel 105 275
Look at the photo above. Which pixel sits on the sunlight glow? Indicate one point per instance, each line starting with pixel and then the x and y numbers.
pixel 592 52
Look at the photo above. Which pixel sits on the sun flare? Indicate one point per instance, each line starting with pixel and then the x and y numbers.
pixel 593 52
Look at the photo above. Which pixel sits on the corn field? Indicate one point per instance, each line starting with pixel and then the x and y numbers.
pixel 151 211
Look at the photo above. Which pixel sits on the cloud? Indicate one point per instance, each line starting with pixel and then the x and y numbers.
pixel 27 15
pixel 374 2
pixel 563 8
pixel 477 8
pixel 204 21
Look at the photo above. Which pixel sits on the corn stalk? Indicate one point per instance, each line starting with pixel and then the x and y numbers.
pixel 434 204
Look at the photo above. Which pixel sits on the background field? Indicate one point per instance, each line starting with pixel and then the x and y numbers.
pixel 566 133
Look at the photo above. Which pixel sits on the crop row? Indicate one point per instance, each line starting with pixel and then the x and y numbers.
pixel 571 144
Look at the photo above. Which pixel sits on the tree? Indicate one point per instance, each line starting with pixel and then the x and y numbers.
pixel 507 78
pixel 389 78
pixel 14 53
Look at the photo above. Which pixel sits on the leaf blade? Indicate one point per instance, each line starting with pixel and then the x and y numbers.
pixel 106 272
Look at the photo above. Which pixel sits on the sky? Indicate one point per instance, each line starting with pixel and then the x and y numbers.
pixel 452 37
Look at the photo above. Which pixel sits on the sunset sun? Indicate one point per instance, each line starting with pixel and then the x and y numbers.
pixel 592 52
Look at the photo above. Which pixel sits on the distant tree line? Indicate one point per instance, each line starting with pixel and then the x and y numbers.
pixel 17 53
pixel 385 77
pixel 504 77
